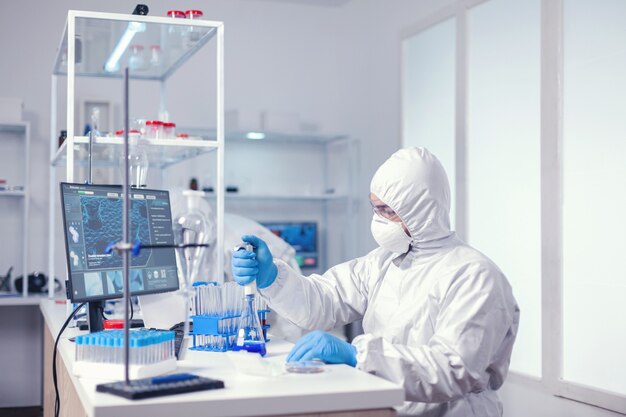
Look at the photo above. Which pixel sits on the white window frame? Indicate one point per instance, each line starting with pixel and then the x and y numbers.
pixel 551 179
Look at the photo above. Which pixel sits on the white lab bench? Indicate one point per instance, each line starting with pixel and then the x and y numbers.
pixel 340 390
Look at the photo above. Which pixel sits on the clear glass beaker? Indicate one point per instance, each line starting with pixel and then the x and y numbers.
pixel 137 159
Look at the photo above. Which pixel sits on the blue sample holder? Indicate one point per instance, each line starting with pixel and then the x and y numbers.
pixel 224 336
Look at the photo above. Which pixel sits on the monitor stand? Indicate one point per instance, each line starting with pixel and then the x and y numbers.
pixel 95 312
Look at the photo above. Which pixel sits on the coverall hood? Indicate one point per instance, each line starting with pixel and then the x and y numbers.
pixel 414 184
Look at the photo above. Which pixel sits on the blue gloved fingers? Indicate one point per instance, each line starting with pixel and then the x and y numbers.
pixel 270 274
pixel 311 354
pixel 267 269
pixel 299 351
pixel 299 345
pixel 244 254
pixel 245 263
pixel 244 279
pixel 245 272
pixel 253 240
pixel 302 345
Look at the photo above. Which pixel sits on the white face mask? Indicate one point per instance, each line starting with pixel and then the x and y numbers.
pixel 390 235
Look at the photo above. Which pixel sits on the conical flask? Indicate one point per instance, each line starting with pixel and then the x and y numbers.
pixel 250 333
pixel 191 227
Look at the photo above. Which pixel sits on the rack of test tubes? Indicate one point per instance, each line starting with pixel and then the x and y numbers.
pixel 216 311
pixel 102 353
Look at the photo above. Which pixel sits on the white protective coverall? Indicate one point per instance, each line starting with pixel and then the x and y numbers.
pixel 440 320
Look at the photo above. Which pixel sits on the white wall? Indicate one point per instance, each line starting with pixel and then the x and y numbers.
pixel 279 57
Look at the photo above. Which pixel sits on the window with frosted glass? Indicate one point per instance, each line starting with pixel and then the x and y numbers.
pixel 504 156
pixel 594 193
pixel 428 89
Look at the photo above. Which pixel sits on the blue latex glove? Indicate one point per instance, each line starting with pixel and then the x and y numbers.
pixel 324 346
pixel 258 265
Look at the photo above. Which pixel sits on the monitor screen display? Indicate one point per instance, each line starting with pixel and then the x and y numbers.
pixel 302 236
pixel 92 217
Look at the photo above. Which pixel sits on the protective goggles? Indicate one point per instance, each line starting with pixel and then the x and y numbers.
pixel 384 210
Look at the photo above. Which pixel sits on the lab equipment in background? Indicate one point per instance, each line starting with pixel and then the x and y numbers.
pixel 194 34
pixel 91 218
pixel 169 130
pixel 191 228
pixel 217 310
pixel 154 129
pixel 5 281
pixel 37 283
pixel 62 137
pixel 102 353
pixel 193 184
pixel 250 332
pixel 136 60
pixel 155 55
pixel 302 236
pixel 137 159
pixel 177 33
pixel 95 121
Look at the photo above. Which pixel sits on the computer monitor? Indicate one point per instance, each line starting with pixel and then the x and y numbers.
pixel 92 219
pixel 302 236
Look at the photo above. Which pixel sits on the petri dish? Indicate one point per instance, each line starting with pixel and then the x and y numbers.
pixel 305 367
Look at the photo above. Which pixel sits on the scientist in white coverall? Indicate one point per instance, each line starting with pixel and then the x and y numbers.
pixel 439 317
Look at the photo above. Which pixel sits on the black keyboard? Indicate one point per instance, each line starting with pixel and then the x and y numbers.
pixel 160 386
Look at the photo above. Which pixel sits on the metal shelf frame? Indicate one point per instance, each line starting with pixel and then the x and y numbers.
pixel 214 31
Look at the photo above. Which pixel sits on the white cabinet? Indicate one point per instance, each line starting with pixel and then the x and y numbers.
pixel 14 198
pixel 95 48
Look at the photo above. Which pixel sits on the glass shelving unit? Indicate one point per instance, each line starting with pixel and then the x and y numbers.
pixel 20 131
pixel 99 46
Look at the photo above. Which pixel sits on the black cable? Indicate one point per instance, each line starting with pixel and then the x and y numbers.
pixel 57 399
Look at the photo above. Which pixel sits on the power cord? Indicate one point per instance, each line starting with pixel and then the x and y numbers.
pixel 57 399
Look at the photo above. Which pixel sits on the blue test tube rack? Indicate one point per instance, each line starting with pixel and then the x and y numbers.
pixel 219 333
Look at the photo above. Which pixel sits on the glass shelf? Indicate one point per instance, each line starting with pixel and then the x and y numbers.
pixel 106 151
pixel 18 127
pixel 98 35
pixel 303 197
pixel 267 136
pixel 12 193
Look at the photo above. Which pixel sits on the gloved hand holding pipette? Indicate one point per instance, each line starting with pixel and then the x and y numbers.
pixel 259 265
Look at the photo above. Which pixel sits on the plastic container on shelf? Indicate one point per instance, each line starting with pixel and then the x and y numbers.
pixel 177 32
pixel 154 129
pixel 182 136
pixel 169 130
pixel 155 55
pixel 133 134
pixel 194 33
pixel 176 14
pixel 136 60
pixel 139 125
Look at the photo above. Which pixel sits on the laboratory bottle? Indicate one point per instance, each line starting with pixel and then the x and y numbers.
pixel 249 332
